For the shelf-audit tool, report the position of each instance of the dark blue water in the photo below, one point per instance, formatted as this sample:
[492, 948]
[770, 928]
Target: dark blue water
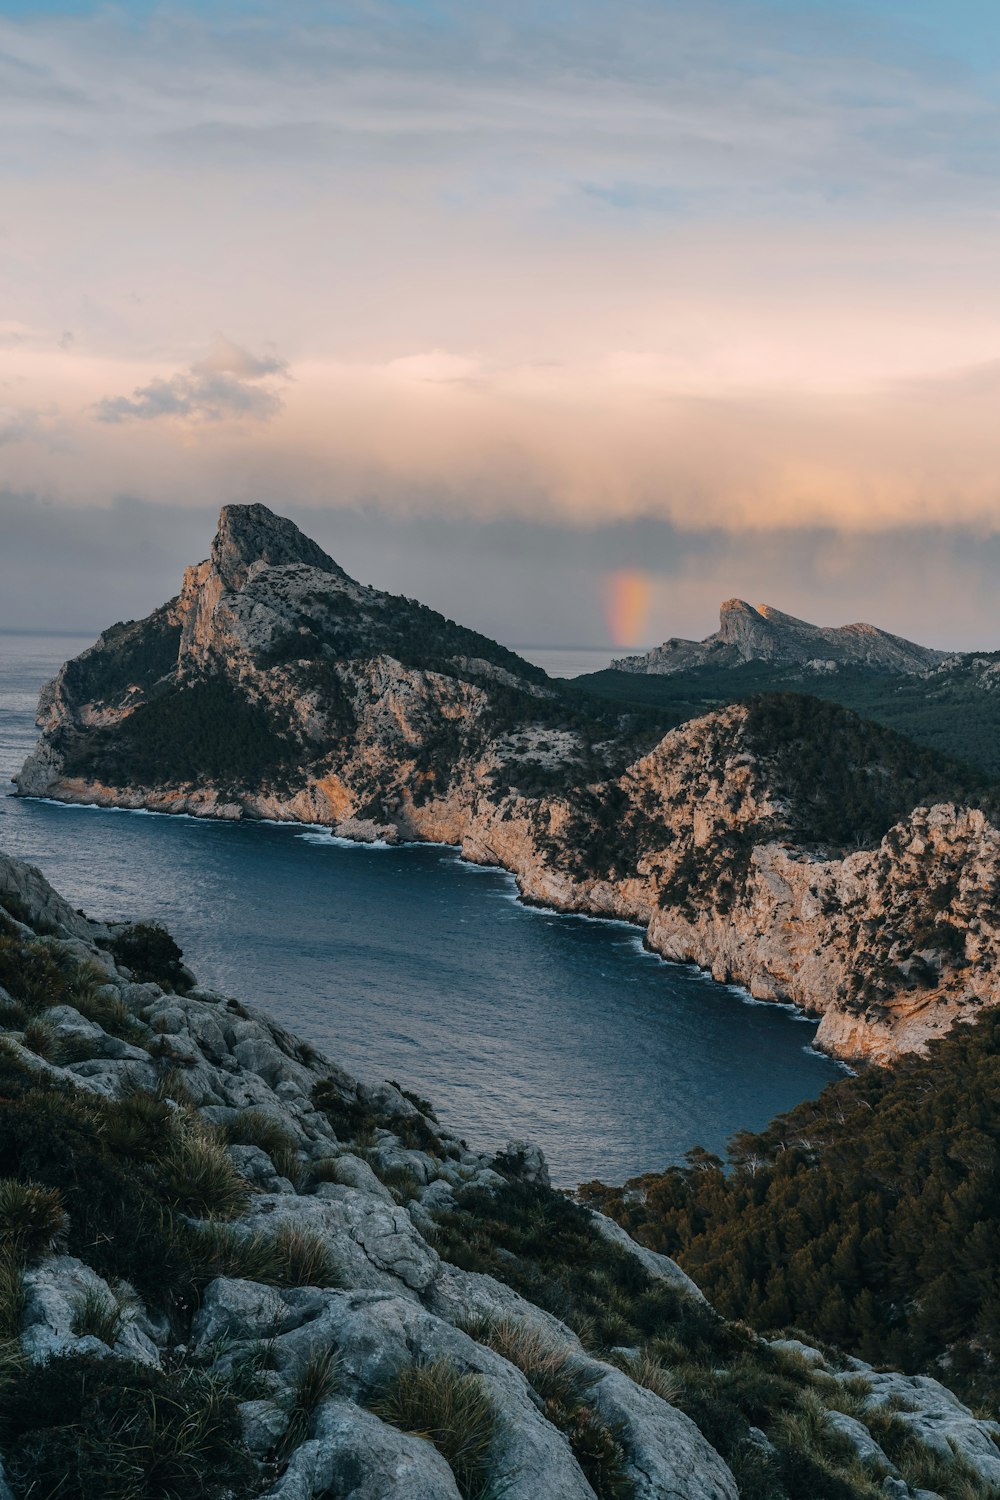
[406, 963]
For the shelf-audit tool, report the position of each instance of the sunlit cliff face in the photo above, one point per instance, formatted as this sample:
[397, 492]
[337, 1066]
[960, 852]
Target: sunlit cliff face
[730, 266]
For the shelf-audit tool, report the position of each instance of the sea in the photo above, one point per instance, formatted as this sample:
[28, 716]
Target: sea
[408, 963]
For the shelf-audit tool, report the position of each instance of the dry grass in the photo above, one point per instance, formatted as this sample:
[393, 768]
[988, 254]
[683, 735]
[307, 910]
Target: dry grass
[647, 1370]
[454, 1411]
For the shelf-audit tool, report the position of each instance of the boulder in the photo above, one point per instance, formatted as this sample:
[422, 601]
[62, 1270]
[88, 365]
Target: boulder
[356, 1457]
[668, 1459]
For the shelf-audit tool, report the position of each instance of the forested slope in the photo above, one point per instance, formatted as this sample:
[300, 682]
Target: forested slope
[869, 1217]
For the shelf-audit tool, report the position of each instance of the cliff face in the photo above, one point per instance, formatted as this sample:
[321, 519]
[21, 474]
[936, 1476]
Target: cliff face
[762, 633]
[275, 686]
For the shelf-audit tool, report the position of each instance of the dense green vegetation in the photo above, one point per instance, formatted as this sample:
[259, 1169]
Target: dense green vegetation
[869, 1217]
[847, 780]
[133, 653]
[949, 711]
[418, 636]
[203, 730]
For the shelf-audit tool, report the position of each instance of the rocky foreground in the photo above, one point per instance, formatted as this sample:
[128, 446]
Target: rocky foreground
[229, 1269]
[782, 844]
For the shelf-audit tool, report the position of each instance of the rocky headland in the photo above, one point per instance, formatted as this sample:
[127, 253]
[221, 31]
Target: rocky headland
[229, 1269]
[782, 843]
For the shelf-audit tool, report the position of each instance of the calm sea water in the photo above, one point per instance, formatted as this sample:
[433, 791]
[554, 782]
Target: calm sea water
[406, 963]
[573, 661]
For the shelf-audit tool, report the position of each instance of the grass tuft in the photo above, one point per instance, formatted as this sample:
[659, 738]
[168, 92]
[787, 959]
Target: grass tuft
[32, 1218]
[111, 1429]
[646, 1369]
[454, 1411]
[302, 1258]
[562, 1385]
[100, 1314]
[199, 1178]
[317, 1383]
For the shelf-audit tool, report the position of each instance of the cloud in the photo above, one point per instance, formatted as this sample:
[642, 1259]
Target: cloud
[520, 580]
[16, 424]
[224, 386]
[436, 366]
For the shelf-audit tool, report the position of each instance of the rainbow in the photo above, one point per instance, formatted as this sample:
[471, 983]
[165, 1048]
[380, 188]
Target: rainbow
[627, 594]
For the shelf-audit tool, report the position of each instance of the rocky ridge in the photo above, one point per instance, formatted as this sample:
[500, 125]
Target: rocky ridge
[302, 1359]
[274, 686]
[760, 632]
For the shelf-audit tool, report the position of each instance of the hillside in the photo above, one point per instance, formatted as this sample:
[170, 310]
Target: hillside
[953, 708]
[782, 843]
[869, 1217]
[228, 1268]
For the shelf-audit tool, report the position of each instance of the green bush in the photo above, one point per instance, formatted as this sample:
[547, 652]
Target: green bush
[151, 953]
[563, 1385]
[198, 1177]
[302, 1258]
[317, 1383]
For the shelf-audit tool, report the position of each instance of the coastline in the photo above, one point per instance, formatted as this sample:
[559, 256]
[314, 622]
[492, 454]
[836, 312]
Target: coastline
[324, 833]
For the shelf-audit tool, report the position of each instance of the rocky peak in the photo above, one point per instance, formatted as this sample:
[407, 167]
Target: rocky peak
[755, 632]
[248, 534]
[749, 632]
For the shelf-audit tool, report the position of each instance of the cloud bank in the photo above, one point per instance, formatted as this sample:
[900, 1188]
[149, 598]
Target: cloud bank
[726, 267]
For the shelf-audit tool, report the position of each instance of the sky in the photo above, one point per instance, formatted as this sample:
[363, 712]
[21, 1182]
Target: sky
[571, 320]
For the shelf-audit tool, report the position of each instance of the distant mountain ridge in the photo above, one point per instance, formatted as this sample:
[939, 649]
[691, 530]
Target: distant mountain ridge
[760, 632]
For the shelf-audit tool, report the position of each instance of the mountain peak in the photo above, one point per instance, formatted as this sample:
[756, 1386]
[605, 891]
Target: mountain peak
[749, 632]
[252, 533]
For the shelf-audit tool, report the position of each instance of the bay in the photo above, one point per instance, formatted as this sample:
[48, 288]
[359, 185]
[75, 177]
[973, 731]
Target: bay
[408, 963]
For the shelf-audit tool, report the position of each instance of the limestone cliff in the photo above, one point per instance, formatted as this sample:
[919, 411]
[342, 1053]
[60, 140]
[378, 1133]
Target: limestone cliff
[784, 844]
[762, 633]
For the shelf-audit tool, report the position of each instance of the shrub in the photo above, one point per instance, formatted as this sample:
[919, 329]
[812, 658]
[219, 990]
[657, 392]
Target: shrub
[951, 1478]
[151, 953]
[562, 1383]
[110, 1429]
[549, 1368]
[100, 1002]
[212, 1249]
[32, 1218]
[255, 1127]
[598, 1447]
[40, 1038]
[452, 1410]
[351, 1120]
[13, 1015]
[401, 1180]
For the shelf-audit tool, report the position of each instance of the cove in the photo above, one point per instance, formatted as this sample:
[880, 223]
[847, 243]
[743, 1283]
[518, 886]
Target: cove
[405, 962]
